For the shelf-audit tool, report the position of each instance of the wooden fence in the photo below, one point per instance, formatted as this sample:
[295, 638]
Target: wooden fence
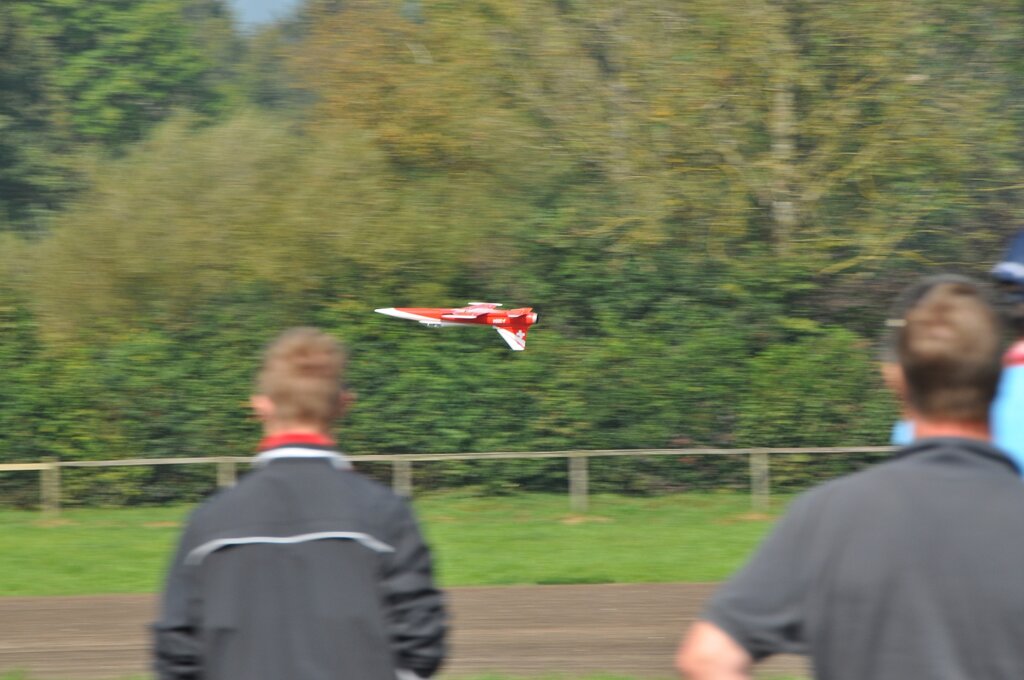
[402, 467]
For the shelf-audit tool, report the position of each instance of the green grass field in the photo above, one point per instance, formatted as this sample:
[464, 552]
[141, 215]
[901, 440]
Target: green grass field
[529, 538]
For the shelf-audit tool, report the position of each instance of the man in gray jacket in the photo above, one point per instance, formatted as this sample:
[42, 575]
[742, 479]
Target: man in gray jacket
[911, 569]
[305, 570]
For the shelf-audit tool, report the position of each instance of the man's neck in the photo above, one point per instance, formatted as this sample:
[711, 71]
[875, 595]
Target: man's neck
[277, 429]
[924, 429]
[278, 433]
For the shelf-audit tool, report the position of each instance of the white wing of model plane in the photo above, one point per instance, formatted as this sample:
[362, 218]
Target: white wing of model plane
[399, 314]
[516, 340]
[425, 320]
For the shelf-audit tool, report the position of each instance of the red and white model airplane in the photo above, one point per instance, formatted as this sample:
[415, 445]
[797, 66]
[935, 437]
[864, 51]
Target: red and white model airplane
[511, 324]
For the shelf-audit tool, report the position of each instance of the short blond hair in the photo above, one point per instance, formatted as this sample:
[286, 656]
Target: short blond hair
[302, 374]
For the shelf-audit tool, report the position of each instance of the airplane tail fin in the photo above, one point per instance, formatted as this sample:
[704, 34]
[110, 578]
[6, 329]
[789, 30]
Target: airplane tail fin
[515, 336]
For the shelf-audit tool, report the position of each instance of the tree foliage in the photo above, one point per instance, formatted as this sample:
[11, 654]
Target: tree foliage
[76, 73]
[710, 205]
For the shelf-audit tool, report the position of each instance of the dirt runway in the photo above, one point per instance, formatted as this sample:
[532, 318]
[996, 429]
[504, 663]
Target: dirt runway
[517, 630]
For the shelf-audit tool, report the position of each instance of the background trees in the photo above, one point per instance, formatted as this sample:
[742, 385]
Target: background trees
[75, 73]
[709, 204]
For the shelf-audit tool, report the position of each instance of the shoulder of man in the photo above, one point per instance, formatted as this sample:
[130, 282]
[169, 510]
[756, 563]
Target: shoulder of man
[821, 509]
[255, 486]
[238, 509]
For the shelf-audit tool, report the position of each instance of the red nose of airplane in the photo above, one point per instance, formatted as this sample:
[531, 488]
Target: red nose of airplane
[533, 317]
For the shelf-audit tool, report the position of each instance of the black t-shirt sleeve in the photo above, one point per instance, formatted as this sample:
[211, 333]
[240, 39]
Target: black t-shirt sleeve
[762, 606]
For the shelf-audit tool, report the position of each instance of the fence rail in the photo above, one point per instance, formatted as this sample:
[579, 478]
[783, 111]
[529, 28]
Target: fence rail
[402, 467]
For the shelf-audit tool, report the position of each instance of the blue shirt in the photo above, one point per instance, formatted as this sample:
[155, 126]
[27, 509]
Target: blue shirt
[902, 433]
[1008, 409]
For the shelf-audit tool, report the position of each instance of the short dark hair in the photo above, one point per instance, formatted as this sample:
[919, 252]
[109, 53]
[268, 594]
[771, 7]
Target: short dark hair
[302, 374]
[949, 347]
[909, 297]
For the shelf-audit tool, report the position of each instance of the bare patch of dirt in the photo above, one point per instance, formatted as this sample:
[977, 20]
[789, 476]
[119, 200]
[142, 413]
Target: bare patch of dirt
[746, 517]
[526, 631]
[55, 522]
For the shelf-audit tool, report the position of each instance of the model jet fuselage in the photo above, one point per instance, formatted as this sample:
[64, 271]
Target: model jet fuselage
[511, 324]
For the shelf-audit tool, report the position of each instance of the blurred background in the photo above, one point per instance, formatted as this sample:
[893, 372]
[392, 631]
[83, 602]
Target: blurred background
[710, 204]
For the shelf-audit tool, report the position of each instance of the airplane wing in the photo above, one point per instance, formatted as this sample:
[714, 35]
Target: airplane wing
[516, 340]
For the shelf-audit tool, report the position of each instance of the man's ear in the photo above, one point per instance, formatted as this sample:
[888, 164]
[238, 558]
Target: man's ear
[262, 406]
[896, 380]
[892, 374]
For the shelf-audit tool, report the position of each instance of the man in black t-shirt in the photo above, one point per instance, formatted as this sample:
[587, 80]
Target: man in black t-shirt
[910, 569]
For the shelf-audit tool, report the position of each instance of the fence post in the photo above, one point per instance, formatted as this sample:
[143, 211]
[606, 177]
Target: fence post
[226, 473]
[760, 481]
[401, 477]
[578, 483]
[49, 482]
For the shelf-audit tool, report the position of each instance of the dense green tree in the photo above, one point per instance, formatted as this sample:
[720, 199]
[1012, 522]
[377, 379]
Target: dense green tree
[76, 73]
[33, 179]
[121, 66]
